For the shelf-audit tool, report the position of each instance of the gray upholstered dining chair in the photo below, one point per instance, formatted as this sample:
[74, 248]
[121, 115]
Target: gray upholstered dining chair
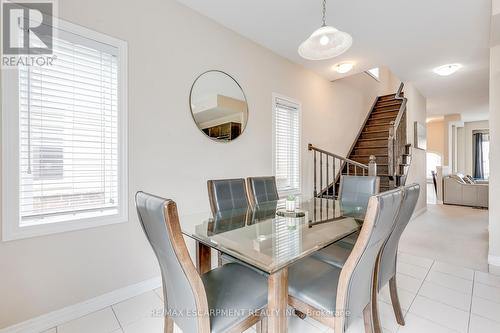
[227, 298]
[227, 194]
[355, 191]
[262, 189]
[388, 255]
[337, 254]
[337, 296]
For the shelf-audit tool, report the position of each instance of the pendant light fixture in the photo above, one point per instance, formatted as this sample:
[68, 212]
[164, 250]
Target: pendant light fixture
[326, 42]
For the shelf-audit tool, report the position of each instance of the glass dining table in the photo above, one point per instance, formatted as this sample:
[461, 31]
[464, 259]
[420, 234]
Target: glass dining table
[270, 239]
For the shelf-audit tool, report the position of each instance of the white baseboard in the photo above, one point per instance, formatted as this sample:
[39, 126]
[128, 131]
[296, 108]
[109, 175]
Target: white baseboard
[415, 214]
[494, 260]
[55, 318]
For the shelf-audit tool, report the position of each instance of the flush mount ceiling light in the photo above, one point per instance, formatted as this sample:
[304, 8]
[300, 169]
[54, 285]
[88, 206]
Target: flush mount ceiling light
[446, 70]
[343, 67]
[325, 43]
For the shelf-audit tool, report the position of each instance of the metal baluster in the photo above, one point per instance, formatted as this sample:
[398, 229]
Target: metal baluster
[315, 180]
[327, 201]
[355, 170]
[321, 173]
[327, 179]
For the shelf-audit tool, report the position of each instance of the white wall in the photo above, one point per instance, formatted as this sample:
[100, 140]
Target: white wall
[416, 111]
[494, 122]
[166, 149]
[495, 7]
[435, 137]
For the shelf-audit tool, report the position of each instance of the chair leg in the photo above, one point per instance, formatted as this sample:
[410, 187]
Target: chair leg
[169, 325]
[368, 318]
[376, 326]
[395, 301]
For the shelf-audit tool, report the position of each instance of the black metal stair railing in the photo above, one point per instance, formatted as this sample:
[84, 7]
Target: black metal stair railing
[328, 167]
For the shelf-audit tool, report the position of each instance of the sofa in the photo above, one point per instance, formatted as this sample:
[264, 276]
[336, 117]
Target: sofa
[465, 191]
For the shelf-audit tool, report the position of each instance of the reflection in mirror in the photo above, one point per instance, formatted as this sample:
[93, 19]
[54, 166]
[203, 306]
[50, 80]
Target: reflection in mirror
[218, 106]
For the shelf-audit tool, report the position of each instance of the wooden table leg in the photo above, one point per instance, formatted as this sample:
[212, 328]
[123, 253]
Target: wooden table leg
[203, 258]
[277, 302]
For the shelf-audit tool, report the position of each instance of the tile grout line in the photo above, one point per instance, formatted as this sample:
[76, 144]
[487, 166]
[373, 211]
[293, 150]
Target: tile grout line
[414, 314]
[442, 303]
[435, 323]
[420, 287]
[451, 289]
[116, 317]
[453, 275]
[471, 300]
[416, 294]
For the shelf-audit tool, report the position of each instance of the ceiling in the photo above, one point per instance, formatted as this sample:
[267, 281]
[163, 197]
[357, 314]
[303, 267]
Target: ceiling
[409, 37]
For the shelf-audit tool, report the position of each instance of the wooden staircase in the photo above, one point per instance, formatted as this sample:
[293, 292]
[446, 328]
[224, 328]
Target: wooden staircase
[382, 135]
[374, 139]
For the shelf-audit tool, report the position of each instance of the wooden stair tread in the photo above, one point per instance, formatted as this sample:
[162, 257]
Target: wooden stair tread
[383, 117]
[389, 102]
[377, 155]
[375, 110]
[368, 147]
[373, 139]
[373, 131]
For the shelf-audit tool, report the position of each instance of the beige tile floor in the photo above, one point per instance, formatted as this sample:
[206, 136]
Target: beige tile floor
[435, 297]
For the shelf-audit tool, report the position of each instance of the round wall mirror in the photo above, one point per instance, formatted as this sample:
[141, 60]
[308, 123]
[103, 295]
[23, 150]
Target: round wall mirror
[218, 106]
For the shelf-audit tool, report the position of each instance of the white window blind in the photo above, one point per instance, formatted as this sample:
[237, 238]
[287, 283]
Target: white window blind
[287, 145]
[68, 135]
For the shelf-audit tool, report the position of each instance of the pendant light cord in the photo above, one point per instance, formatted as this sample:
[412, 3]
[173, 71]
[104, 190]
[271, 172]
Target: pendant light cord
[324, 13]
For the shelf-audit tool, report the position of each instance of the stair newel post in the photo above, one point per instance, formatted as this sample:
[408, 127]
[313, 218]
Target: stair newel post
[390, 152]
[372, 166]
[334, 176]
[310, 147]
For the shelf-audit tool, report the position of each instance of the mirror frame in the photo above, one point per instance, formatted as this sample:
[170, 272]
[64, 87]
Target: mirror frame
[243, 126]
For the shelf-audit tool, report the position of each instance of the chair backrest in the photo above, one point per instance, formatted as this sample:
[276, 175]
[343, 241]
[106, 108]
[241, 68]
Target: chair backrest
[183, 289]
[228, 220]
[355, 283]
[355, 191]
[227, 194]
[264, 211]
[262, 189]
[387, 266]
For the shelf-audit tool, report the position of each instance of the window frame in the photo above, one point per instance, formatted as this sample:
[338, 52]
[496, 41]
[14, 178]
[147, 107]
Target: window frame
[276, 96]
[11, 229]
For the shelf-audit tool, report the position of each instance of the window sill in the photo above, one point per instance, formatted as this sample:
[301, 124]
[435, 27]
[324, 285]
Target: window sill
[30, 231]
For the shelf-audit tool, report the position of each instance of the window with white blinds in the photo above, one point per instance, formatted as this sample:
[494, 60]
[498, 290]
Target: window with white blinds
[71, 142]
[287, 145]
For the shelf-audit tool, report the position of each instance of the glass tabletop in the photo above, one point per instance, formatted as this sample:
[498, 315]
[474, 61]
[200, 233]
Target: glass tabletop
[270, 238]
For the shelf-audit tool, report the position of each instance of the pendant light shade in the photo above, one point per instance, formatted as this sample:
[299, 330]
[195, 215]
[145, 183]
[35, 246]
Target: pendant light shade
[325, 43]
